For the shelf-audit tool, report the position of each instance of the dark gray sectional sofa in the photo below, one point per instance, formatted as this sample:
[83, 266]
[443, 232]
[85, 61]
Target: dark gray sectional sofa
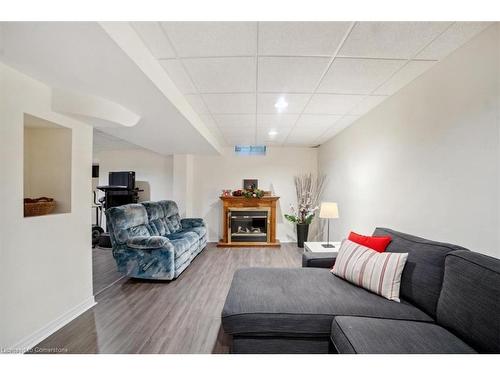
[450, 303]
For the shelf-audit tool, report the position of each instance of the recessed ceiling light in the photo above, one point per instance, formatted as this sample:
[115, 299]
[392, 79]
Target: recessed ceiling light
[281, 104]
[272, 133]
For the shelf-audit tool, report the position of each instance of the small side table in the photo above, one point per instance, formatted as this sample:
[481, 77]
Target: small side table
[315, 247]
[318, 256]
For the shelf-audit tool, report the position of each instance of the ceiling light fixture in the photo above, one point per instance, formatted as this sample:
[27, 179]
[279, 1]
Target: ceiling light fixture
[281, 104]
[272, 133]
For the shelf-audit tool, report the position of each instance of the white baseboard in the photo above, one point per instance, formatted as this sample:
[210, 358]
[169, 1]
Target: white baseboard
[38, 336]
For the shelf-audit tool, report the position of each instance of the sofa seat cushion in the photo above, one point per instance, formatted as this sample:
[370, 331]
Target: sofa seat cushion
[301, 301]
[200, 231]
[183, 242]
[147, 242]
[352, 334]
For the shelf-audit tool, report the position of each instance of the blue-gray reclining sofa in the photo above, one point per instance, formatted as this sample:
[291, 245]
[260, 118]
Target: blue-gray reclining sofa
[151, 241]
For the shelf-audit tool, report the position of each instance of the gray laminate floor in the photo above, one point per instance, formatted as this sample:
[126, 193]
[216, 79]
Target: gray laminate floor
[180, 316]
[104, 271]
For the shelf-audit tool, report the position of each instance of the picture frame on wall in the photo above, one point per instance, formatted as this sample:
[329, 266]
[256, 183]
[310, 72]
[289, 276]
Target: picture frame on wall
[250, 184]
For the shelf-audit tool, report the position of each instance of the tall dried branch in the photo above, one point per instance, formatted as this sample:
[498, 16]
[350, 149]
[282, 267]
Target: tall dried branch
[309, 189]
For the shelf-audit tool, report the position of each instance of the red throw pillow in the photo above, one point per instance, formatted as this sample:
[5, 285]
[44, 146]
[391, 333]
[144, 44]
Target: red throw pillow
[379, 243]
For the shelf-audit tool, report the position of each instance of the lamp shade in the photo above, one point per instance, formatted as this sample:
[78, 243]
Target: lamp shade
[329, 210]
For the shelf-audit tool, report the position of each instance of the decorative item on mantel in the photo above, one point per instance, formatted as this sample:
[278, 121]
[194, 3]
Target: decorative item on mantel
[252, 193]
[308, 189]
[226, 192]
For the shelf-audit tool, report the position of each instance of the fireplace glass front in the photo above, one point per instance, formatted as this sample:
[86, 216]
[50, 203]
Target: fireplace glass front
[248, 225]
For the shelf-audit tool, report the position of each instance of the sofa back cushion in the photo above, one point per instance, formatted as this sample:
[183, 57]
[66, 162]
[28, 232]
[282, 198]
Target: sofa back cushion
[172, 217]
[127, 221]
[423, 273]
[157, 218]
[469, 304]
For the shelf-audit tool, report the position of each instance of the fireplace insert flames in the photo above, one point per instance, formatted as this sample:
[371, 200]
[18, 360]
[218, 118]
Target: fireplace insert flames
[248, 225]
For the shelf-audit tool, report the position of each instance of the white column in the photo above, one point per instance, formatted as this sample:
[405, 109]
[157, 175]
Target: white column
[183, 183]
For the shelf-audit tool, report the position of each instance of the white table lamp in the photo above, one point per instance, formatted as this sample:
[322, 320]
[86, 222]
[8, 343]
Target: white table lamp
[328, 210]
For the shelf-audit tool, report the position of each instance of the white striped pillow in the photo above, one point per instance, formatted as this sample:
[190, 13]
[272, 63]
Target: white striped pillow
[377, 272]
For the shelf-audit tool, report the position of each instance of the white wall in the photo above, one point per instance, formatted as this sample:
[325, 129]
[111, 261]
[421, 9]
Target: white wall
[47, 165]
[153, 172]
[45, 261]
[426, 161]
[275, 172]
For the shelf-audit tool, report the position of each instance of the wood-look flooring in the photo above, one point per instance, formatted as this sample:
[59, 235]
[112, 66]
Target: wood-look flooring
[180, 316]
[104, 271]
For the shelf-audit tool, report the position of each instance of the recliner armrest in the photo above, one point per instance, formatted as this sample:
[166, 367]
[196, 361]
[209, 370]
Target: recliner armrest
[192, 222]
[147, 242]
[319, 260]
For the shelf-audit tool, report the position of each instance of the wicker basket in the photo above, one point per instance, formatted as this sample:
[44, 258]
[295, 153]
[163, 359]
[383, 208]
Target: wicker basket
[39, 206]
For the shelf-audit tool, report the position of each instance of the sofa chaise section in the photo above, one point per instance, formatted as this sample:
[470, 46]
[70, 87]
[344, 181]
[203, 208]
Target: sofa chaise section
[298, 304]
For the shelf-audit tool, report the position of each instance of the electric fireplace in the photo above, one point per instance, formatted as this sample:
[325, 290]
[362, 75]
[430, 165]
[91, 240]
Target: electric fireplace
[248, 221]
[248, 224]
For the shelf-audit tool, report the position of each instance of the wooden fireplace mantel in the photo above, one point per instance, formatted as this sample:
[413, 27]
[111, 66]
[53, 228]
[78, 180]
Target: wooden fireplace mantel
[266, 202]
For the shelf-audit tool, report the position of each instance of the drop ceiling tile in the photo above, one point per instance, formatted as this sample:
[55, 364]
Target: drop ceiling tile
[194, 39]
[197, 103]
[340, 125]
[301, 142]
[178, 74]
[346, 121]
[209, 121]
[305, 135]
[301, 38]
[390, 39]
[296, 103]
[240, 140]
[357, 76]
[212, 127]
[222, 74]
[404, 76]
[455, 36]
[276, 121]
[367, 105]
[310, 144]
[230, 103]
[290, 74]
[317, 121]
[335, 104]
[238, 132]
[155, 39]
[269, 143]
[277, 135]
[235, 121]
